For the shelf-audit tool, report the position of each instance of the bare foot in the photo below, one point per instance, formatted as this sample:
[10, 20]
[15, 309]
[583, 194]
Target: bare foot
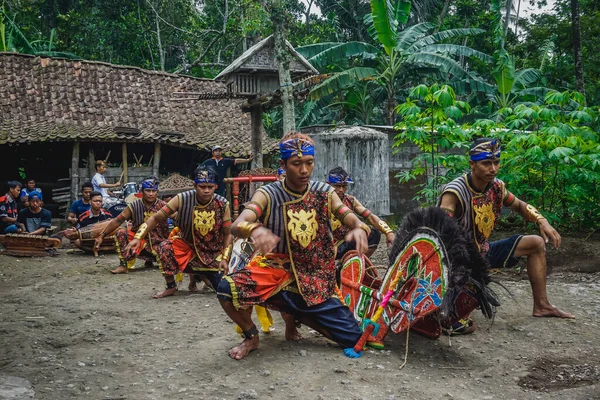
[193, 287]
[551, 311]
[119, 270]
[242, 350]
[166, 293]
[291, 333]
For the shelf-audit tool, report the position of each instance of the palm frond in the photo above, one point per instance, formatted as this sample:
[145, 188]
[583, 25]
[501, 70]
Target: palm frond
[443, 35]
[457, 50]
[411, 34]
[342, 80]
[341, 52]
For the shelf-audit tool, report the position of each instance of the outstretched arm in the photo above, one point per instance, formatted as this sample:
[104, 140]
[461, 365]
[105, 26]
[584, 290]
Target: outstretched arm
[530, 213]
[246, 225]
[359, 231]
[112, 226]
[243, 160]
[148, 226]
[377, 222]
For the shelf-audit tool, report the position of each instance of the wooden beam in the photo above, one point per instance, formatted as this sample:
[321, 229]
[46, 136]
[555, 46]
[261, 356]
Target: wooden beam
[75, 171]
[124, 157]
[257, 135]
[156, 164]
[91, 162]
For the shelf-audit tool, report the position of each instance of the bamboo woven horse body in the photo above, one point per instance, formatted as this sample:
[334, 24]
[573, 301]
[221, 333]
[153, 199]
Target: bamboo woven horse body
[24, 245]
[436, 277]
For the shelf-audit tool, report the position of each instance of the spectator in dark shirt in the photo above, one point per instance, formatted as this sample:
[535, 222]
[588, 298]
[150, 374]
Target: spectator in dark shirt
[95, 214]
[82, 205]
[30, 187]
[8, 208]
[221, 165]
[37, 220]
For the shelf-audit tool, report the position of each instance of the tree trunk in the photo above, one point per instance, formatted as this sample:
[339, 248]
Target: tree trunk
[161, 53]
[577, 56]
[507, 17]
[282, 55]
[442, 15]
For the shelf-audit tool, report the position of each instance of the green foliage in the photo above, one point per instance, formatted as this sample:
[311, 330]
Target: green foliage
[429, 122]
[550, 156]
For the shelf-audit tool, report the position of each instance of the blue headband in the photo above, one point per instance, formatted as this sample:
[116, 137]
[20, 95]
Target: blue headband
[33, 194]
[150, 184]
[296, 147]
[339, 179]
[205, 177]
[487, 150]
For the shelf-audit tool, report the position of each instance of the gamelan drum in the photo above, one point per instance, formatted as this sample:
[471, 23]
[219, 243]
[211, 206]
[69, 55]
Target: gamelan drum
[116, 209]
[130, 188]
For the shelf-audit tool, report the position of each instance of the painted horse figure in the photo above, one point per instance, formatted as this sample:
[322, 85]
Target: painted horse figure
[435, 277]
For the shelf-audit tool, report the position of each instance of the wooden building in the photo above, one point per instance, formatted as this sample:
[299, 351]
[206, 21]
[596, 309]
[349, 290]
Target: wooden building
[57, 117]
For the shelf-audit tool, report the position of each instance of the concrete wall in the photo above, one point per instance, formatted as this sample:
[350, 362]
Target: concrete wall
[364, 153]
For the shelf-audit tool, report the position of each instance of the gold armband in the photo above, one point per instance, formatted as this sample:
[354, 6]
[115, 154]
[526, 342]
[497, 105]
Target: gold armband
[365, 228]
[384, 227]
[227, 252]
[534, 214]
[141, 232]
[246, 228]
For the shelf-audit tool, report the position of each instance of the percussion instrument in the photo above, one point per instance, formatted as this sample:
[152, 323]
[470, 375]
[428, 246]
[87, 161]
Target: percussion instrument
[117, 208]
[24, 245]
[88, 234]
[130, 188]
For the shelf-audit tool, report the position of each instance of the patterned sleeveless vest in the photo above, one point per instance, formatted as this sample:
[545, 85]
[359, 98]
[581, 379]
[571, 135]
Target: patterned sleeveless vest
[201, 226]
[302, 221]
[140, 214]
[479, 209]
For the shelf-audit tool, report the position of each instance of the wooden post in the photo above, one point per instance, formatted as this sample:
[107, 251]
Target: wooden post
[75, 171]
[257, 135]
[156, 165]
[91, 162]
[124, 157]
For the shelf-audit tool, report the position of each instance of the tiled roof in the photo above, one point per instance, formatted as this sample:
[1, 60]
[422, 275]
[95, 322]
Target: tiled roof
[46, 99]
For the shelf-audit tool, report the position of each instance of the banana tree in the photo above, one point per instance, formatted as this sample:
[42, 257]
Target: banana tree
[401, 57]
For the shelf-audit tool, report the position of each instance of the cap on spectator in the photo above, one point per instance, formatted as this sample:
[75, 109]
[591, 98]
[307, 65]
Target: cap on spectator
[35, 193]
[217, 147]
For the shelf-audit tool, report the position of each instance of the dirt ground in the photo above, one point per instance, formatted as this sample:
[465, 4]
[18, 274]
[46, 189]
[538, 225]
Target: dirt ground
[73, 330]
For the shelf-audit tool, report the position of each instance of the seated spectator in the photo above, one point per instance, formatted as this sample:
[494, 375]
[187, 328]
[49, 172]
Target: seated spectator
[95, 214]
[82, 205]
[37, 220]
[30, 187]
[8, 208]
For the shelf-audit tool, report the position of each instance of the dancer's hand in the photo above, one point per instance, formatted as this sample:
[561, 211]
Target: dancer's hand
[549, 233]
[264, 240]
[389, 238]
[132, 247]
[358, 236]
[98, 242]
[223, 267]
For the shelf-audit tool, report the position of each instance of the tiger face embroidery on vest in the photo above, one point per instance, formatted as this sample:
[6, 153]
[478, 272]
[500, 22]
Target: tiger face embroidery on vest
[484, 218]
[204, 221]
[335, 223]
[303, 226]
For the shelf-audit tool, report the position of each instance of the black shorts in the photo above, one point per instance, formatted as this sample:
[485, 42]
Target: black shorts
[502, 252]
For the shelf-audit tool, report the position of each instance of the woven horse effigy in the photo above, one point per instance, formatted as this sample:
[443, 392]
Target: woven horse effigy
[435, 277]
[25, 245]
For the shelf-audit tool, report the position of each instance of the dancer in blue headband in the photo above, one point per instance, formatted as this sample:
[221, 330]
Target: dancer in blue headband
[289, 222]
[138, 212]
[201, 244]
[475, 201]
[339, 179]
